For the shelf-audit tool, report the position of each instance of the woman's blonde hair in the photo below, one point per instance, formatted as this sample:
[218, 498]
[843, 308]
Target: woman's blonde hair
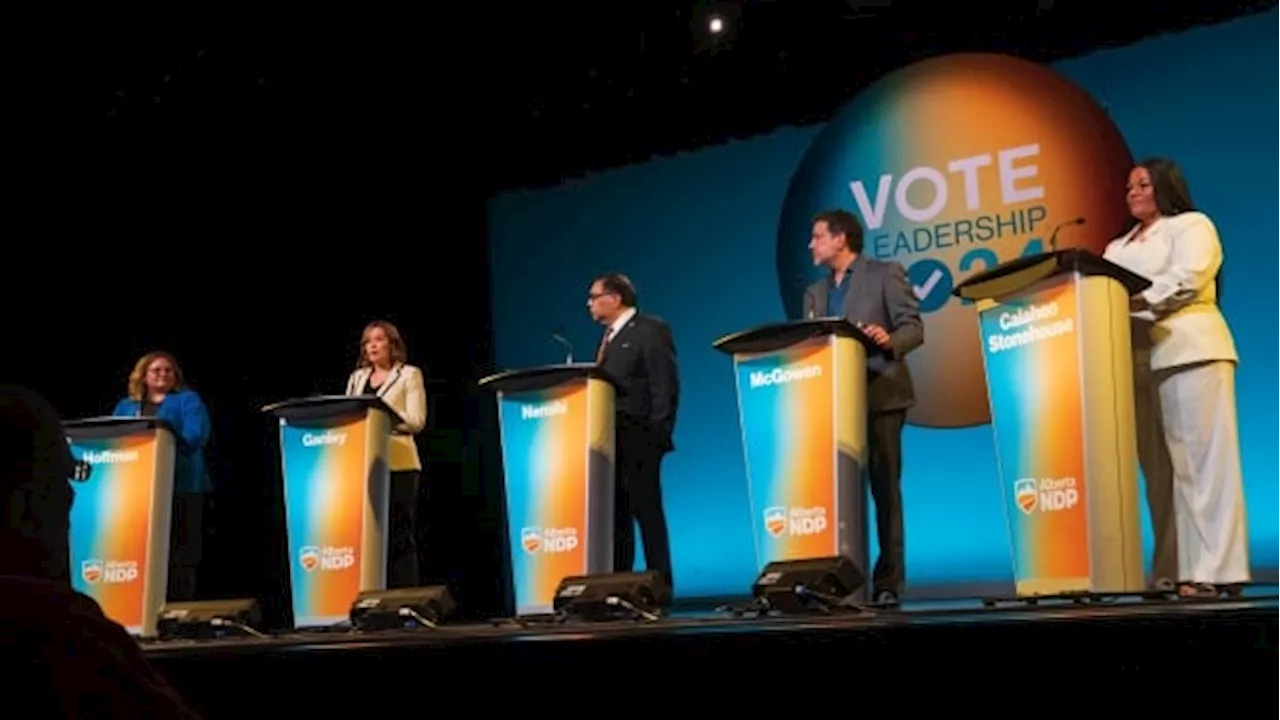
[137, 378]
[399, 353]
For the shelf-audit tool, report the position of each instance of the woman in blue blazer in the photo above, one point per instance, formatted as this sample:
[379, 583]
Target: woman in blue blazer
[157, 389]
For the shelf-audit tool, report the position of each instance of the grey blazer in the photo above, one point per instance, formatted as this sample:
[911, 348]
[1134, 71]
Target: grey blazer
[879, 294]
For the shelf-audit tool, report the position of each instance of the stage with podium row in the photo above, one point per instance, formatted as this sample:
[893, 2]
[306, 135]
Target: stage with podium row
[1058, 359]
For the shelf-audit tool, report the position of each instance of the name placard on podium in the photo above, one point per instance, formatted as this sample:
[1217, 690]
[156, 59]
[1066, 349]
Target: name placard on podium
[120, 517]
[802, 406]
[334, 455]
[1059, 366]
[557, 435]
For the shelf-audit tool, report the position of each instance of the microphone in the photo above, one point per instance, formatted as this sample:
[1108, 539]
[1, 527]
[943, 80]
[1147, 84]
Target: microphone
[558, 336]
[1053, 236]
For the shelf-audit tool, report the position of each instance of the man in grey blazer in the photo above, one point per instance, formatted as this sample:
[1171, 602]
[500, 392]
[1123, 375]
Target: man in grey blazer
[876, 297]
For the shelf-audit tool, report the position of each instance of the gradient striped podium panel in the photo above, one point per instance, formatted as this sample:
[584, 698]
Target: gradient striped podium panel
[336, 485]
[1058, 356]
[557, 433]
[802, 408]
[119, 537]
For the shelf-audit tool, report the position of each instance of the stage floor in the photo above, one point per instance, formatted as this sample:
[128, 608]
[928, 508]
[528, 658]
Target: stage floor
[956, 655]
[723, 620]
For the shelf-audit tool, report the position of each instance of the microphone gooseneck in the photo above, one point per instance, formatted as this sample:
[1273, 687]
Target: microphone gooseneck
[1052, 237]
[558, 336]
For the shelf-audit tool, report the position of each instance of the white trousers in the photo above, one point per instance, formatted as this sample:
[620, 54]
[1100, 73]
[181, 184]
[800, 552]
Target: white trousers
[1199, 404]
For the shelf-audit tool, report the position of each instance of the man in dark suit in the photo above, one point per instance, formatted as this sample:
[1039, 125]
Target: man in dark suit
[638, 352]
[876, 297]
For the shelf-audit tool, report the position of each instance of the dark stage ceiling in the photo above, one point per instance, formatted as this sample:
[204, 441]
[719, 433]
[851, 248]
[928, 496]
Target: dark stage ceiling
[526, 94]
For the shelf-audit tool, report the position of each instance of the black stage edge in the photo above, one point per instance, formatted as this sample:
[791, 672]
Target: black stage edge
[1125, 654]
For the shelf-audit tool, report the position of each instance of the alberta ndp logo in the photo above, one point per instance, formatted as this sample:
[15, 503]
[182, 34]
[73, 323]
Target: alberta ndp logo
[313, 558]
[779, 520]
[955, 165]
[1045, 495]
[95, 571]
[535, 540]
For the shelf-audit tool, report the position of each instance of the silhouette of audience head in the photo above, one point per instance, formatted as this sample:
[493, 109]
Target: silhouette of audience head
[36, 467]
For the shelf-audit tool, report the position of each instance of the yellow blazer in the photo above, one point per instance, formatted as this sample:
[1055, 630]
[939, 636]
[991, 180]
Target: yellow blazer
[404, 391]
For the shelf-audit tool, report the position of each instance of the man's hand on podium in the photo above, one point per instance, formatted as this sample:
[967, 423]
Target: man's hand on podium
[1138, 303]
[878, 335]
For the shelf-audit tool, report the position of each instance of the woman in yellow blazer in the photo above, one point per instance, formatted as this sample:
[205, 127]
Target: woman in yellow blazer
[382, 370]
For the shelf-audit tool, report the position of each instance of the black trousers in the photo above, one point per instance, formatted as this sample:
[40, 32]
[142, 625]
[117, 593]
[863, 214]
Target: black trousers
[402, 540]
[884, 470]
[638, 500]
[186, 546]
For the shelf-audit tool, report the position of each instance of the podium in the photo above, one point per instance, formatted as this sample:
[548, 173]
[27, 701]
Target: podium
[336, 485]
[557, 438]
[119, 539]
[802, 405]
[1058, 355]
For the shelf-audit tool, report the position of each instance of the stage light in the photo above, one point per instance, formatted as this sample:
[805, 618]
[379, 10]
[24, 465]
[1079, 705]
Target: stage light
[716, 25]
[804, 586]
[398, 609]
[209, 619]
[613, 596]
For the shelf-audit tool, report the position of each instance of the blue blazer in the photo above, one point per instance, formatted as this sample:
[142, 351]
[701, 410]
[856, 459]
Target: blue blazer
[184, 410]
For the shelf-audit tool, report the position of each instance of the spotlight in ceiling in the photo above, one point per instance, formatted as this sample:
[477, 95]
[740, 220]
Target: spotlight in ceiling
[716, 25]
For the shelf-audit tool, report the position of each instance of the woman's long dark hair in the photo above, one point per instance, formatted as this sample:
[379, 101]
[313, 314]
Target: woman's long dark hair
[1173, 197]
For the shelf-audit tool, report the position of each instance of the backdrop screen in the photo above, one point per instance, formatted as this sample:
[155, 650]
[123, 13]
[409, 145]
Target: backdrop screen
[954, 165]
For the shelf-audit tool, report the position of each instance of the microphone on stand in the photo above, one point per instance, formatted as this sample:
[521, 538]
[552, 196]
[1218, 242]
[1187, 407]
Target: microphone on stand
[1053, 236]
[558, 336]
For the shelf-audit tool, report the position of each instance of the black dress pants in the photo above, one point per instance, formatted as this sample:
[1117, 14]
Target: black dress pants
[186, 546]
[884, 470]
[402, 543]
[638, 500]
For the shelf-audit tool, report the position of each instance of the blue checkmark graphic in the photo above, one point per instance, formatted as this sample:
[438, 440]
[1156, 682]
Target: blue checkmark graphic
[932, 283]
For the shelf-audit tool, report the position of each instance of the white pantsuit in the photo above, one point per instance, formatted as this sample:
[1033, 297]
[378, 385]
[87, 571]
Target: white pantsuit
[1199, 405]
[1193, 360]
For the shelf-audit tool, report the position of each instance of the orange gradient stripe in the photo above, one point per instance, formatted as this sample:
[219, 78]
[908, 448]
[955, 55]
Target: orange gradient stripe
[1060, 538]
[341, 518]
[562, 501]
[808, 410]
[125, 522]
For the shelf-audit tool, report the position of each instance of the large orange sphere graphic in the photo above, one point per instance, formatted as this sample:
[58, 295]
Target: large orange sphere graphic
[953, 165]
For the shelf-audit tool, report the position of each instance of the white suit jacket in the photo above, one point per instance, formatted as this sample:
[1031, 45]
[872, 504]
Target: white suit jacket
[1181, 256]
[404, 391]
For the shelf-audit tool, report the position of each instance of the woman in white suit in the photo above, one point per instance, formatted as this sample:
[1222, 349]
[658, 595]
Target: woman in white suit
[1185, 349]
[382, 370]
